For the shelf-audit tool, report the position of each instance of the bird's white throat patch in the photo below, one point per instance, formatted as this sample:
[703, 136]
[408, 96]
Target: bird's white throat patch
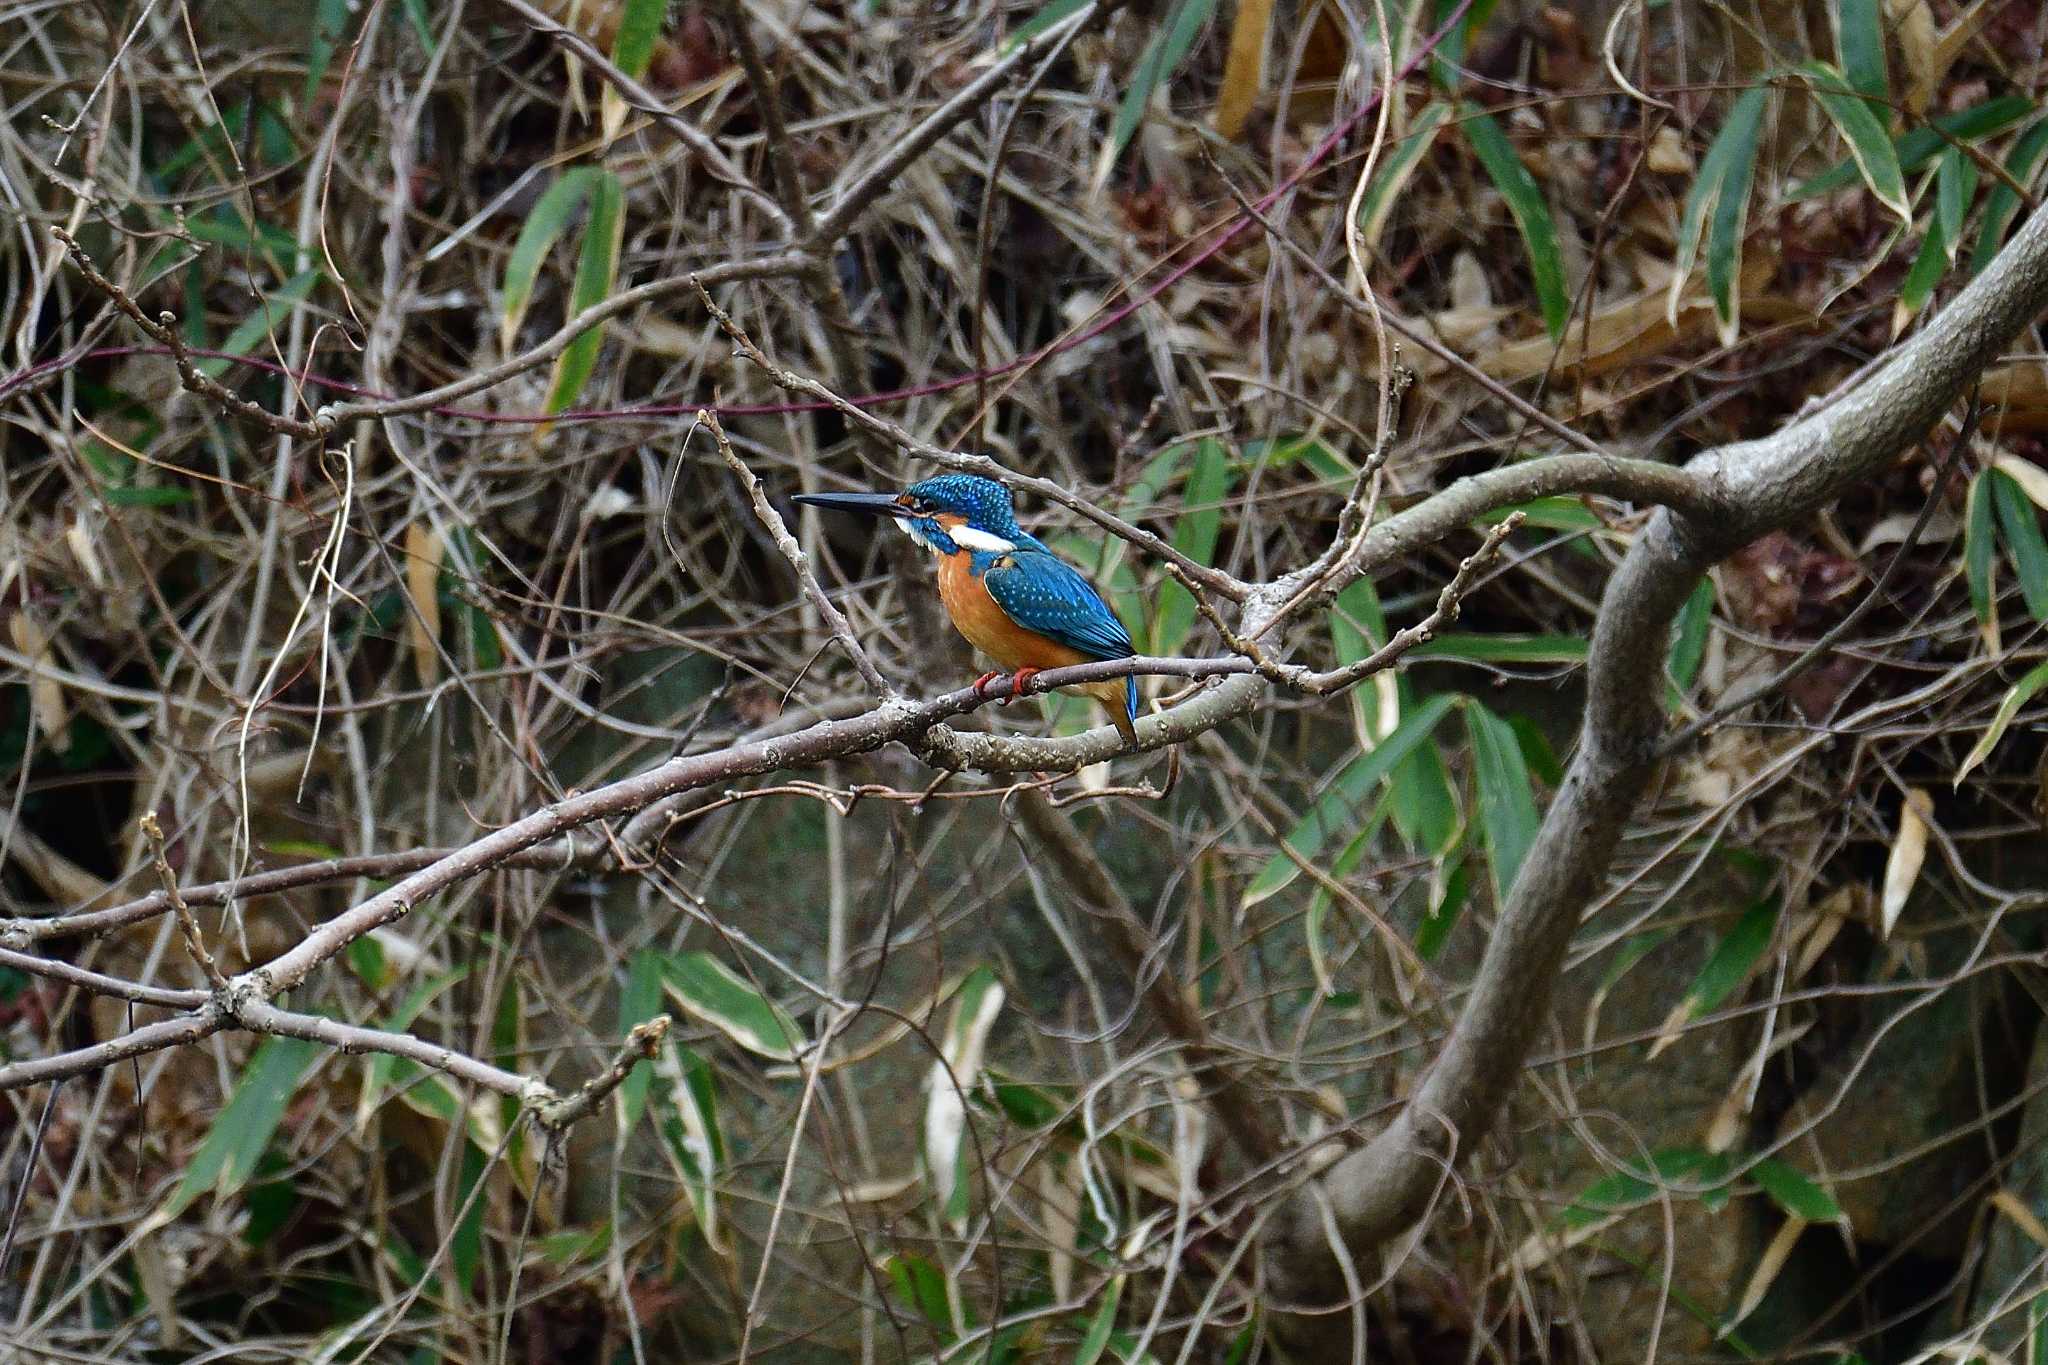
[980, 540]
[966, 537]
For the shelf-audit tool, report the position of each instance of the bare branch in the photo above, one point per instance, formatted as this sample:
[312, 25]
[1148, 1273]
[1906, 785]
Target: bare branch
[1383, 1187]
[639, 97]
[799, 562]
[1214, 579]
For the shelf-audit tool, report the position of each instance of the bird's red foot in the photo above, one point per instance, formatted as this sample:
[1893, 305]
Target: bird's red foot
[981, 683]
[1019, 678]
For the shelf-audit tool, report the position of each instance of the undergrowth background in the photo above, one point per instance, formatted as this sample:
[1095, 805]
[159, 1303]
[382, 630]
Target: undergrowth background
[1790, 1103]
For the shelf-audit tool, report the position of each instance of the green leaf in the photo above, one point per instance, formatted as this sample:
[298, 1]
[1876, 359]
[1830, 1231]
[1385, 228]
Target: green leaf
[241, 1132]
[1531, 213]
[1536, 751]
[276, 307]
[953, 1077]
[1436, 926]
[150, 496]
[1395, 169]
[1450, 53]
[1859, 42]
[1923, 144]
[1042, 21]
[2001, 204]
[633, 45]
[1689, 642]
[922, 1286]
[1550, 514]
[466, 1247]
[1345, 794]
[1978, 545]
[597, 268]
[330, 22]
[2021, 528]
[1184, 23]
[2022, 691]
[1341, 867]
[712, 992]
[1509, 649]
[1870, 146]
[1921, 277]
[1624, 1190]
[1955, 185]
[1733, 959]
[1357, 626]
[1195, 536]
[690, 1130]
[549, 219]
[1717, 207]
[639, 1002]
[1793, 1192]
[1507, 806]
[1096, 1338]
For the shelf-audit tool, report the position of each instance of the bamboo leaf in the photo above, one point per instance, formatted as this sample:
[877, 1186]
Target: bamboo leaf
[1436, 926]
[1955, 185]
[710, 991]
[276, 307]
[1716, 210]
[1794, 1192]
[691, 1134]
[2001, 204]
[1163, 55]
[1396, 169]
[1689, 642]
[1096, 1338]
[1507, 805]
[242, 1131]
[639, 1002]
[1195, 536]
[2021, 692]
[1041, 22]
[922, 1286]
[1859, 42]
[1344, 796]
[1978, 547]
[632, 48]
[550, 218]
[1921, 145]
[2021, 527]
[1504, 649]
[953, 1077]
[1734, 957]
[597, 268]
[1870, 146]
[1530, 210]
[1921, 277]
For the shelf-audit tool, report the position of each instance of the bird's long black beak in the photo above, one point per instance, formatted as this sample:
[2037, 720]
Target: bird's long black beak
[873, 504]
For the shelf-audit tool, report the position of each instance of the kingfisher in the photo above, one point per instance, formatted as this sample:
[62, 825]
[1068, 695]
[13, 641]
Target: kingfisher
[1006, 591]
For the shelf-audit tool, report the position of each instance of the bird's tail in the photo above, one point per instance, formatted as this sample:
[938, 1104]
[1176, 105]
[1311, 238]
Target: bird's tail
[1120, 701]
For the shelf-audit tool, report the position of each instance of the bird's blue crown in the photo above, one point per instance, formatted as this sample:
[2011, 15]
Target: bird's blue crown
[984, 503]
[986, 523]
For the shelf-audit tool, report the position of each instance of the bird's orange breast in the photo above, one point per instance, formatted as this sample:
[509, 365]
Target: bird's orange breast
[989, 628]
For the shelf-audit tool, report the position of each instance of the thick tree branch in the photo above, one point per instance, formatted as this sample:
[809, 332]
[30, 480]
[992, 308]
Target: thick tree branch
[1756, 486]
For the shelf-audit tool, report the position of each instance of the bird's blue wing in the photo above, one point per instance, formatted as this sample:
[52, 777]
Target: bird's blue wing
[1042, 592]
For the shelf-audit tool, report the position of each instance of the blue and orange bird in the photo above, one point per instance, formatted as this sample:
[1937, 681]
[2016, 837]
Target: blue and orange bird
[1012, 597]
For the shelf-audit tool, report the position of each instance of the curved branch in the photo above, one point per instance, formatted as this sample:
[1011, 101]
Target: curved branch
[1380, 1189]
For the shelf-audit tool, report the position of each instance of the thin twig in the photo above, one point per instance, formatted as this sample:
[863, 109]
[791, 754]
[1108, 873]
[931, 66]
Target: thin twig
[799, 562]
[188, 925]
[163, 330]
[641, 1045]
[1214, 579]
